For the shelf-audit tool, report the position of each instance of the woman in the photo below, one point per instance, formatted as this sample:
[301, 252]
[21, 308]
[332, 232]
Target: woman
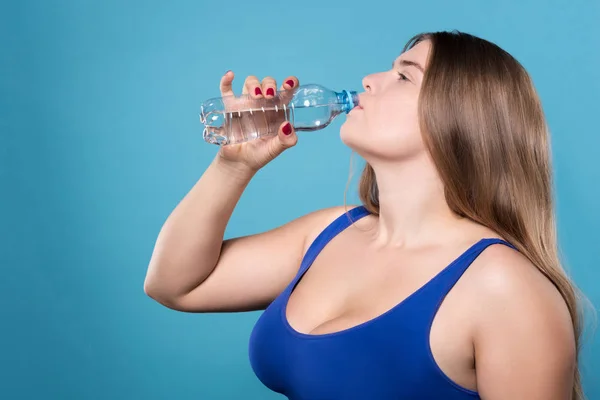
[444, 284]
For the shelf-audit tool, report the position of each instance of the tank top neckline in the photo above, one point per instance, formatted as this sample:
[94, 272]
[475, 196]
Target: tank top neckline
[360, 212]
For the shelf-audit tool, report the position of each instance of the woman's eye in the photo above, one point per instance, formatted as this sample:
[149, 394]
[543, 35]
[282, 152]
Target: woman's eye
[402, 77]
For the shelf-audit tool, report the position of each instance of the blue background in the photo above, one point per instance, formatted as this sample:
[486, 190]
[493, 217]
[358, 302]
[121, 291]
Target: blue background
[100, 139]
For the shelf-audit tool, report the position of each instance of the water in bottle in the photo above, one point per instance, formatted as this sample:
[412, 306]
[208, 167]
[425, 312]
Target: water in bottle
[231, 120]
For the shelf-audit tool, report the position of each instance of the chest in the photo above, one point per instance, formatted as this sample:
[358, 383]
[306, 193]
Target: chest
[348, 285]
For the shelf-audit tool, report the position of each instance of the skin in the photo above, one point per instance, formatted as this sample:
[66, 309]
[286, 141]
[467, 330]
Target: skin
[503, 330]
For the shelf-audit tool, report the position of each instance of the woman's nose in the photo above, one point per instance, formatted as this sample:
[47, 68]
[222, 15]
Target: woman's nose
[367, 84]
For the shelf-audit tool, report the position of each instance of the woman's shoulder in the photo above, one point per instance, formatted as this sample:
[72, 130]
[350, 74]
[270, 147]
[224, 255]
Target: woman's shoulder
[521, 324]
[516, 298]
[505, 273]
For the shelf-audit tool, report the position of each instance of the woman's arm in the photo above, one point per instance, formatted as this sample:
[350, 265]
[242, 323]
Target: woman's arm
[524, 341]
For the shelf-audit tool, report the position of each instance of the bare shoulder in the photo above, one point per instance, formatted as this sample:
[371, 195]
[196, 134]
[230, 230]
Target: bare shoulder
[522, 324]
[505, 275]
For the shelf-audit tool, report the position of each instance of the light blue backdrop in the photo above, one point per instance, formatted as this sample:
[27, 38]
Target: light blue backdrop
[100, 139]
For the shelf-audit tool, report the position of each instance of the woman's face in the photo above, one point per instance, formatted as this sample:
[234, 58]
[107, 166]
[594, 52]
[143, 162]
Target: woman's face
[386, 124]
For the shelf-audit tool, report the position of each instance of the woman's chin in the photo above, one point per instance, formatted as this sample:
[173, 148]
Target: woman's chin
[349, 134]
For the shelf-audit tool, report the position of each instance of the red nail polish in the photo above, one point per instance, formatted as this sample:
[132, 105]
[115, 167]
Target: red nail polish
[290, 82]
[257, 91]
[270, 92]
[287, 129]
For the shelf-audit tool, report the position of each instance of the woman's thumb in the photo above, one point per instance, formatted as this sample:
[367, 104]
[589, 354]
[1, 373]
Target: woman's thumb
[287, 135]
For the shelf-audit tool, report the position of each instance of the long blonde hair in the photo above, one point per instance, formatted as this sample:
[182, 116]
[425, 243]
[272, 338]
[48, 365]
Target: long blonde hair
[483, 124]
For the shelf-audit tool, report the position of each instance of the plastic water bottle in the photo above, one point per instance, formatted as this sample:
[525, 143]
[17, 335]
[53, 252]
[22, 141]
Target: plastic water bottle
[231, 119]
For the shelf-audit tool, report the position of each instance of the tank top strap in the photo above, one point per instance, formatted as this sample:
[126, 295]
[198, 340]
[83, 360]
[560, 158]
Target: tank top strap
[332, 230]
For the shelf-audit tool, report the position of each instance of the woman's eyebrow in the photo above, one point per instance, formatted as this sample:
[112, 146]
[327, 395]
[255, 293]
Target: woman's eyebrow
[409, 63]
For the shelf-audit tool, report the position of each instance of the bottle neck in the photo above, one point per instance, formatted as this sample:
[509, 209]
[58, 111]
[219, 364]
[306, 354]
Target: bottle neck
[347, 99]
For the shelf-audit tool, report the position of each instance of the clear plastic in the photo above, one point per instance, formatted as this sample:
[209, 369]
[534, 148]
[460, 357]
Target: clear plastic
[231, 119]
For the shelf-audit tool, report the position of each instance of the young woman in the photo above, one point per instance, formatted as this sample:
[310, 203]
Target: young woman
[444, 284]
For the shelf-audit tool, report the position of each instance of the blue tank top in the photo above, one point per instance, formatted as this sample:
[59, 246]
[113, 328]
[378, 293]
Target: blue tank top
[387, 357]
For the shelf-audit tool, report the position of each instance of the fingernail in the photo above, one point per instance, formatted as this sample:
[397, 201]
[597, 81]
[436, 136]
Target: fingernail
[287, 129]
[290, 82]
[228, 71]
[270, 92]
[257, 91]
